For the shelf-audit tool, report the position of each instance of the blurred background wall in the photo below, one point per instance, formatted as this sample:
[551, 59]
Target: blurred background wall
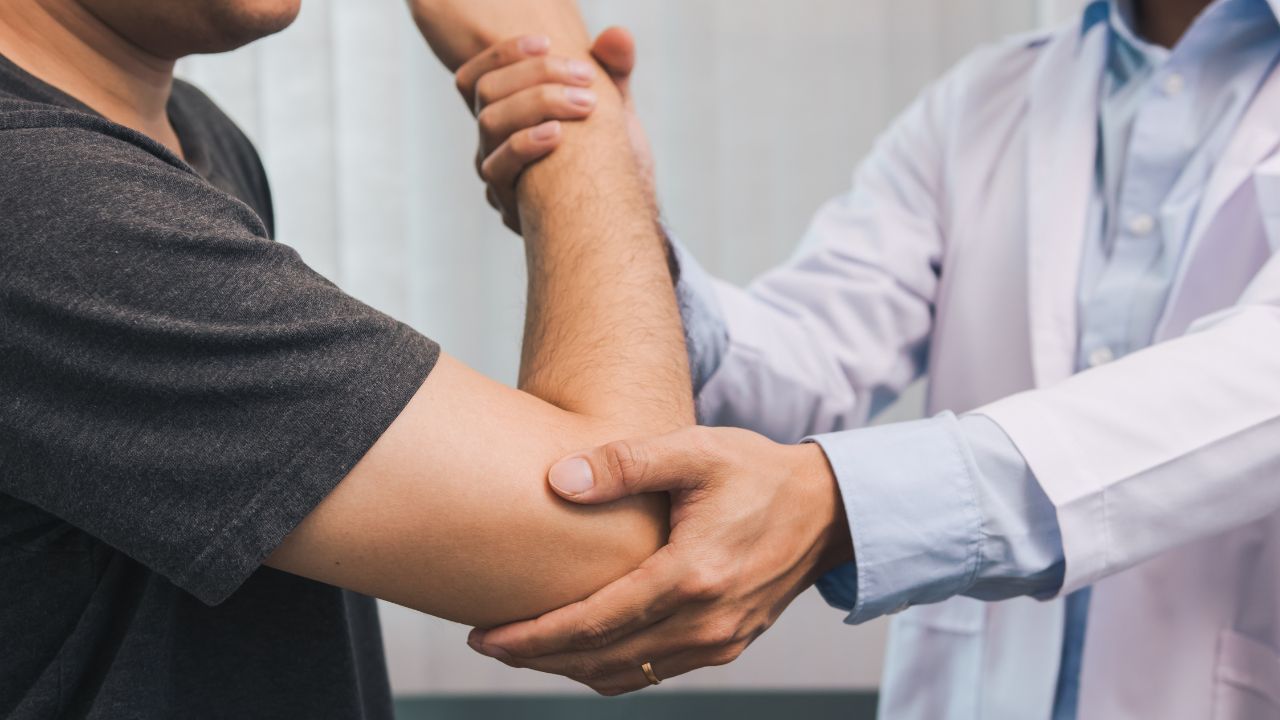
[758, 110]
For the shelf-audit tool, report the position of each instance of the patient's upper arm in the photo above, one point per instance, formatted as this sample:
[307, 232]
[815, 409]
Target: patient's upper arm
[449, 512]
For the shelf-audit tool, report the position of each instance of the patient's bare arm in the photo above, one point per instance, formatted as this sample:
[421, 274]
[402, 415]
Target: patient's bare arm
[449, 512]
[591, 231]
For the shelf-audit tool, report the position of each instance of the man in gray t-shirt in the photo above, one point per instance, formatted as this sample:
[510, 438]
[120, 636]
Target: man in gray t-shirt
[183, 400]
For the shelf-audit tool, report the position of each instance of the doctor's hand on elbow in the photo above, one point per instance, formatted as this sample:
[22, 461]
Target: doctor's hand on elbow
[521, 93]
[753, 524]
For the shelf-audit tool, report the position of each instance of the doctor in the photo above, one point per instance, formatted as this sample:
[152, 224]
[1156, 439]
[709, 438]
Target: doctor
[1072, 235]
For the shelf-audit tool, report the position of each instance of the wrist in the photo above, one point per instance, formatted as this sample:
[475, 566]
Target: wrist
[834, 542]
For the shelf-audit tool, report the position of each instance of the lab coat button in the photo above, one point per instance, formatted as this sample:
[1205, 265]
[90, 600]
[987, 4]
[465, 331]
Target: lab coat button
[1101, 356]
[1142, 224]
[1173, 84]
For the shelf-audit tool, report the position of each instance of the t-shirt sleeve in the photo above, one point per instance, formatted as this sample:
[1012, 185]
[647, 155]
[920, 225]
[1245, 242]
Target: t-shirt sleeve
[173, 382]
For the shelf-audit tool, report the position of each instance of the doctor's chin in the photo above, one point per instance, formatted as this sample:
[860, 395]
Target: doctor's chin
[559, 360]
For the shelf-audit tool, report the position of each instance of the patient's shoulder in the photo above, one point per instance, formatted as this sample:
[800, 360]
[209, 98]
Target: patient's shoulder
[66, 170]
[38, 141]
[68, 177]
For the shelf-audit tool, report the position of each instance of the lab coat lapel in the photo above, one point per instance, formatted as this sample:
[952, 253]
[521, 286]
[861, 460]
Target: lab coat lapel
[1061, 155]
[1255, 139]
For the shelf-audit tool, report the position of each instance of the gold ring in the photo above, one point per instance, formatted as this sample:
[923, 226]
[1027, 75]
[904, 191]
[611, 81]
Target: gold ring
[649, 675]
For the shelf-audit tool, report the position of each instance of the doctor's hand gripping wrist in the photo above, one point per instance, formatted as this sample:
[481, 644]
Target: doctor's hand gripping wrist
[520, 94]
[753, 524]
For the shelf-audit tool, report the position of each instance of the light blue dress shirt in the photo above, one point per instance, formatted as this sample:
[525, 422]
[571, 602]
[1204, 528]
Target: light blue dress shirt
[947, 506]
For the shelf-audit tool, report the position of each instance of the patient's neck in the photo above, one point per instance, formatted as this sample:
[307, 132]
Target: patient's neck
[63, 44]
[1164, 22]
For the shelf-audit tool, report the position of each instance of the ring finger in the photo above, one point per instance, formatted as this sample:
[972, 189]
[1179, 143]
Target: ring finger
[634, 678]
[665, 638]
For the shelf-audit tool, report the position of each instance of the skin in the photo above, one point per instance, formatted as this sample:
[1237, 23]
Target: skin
[754, 555]
[753, 524]
[449, 512]
[1164, 22]
[604, 348]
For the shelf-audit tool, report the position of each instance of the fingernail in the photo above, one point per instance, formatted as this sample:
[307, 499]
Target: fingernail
[572, 476]
[475, 637]
[581, 97]
[535, 44]
[546, 131]
[581, 70]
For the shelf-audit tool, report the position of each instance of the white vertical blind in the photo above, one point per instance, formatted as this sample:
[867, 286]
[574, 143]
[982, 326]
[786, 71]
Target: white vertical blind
[759, 110]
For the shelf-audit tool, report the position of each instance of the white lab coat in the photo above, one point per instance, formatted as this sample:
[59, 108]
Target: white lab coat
[964, 235]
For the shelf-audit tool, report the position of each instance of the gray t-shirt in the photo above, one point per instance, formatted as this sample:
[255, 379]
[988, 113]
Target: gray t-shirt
[177, 391]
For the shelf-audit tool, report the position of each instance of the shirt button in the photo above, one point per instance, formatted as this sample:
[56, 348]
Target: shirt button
[1142, 224]
[1101, 356]
[1173, 84]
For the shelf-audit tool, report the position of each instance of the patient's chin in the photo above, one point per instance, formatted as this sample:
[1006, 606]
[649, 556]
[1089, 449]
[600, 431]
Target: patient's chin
[239, 22]
[194, 27]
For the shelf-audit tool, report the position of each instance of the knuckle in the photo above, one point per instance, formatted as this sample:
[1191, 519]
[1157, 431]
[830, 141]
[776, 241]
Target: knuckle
[591, 635]
[625, 462]
[508, 52]
[550, 95]
[707, 441]
[690, 589]
[522, 145]
[548, 67]
[719, 634]
[488, 121]
[484, 91]
[586, 670]
[703, 584]
[728, 654]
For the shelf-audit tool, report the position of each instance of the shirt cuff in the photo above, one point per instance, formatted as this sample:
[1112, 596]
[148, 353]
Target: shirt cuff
[706, 332]
[1022, 552]
[937, 508]
[913, 513]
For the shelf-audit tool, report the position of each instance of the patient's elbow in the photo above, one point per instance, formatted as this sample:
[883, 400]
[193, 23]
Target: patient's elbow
[581, 550]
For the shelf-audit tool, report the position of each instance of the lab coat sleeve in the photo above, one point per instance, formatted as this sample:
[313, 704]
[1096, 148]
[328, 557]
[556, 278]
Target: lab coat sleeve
[1171, 444]
[822, 342]
[936, 508]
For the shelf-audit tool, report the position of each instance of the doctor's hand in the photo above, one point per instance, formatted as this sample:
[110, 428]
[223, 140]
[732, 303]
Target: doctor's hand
[521, 92]
[753, 524]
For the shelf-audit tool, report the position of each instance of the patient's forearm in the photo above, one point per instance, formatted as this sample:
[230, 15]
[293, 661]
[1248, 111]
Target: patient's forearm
[603, 335]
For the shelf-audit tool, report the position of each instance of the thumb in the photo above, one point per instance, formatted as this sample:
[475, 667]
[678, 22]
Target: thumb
[676, 461]
[615, 50]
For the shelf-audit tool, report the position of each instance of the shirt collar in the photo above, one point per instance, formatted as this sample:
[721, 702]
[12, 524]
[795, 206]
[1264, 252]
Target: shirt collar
[1095, 12]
